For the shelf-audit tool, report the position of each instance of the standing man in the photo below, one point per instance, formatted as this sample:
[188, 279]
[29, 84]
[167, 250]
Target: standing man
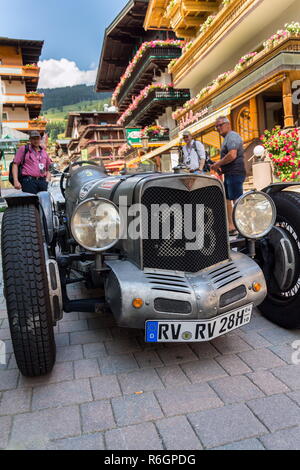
[232, 165]
[35, 169]
[193, 153]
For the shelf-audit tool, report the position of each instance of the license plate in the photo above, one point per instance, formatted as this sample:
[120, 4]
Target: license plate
[177, 331]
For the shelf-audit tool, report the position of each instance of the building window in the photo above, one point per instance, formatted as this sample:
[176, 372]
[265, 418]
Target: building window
[244, 124]
[4, 117]
[2, 88]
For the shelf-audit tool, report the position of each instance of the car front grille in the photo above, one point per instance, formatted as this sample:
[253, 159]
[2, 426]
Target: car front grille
[172, 254]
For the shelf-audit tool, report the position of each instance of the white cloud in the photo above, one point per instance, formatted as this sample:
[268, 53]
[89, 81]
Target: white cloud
[63, 72]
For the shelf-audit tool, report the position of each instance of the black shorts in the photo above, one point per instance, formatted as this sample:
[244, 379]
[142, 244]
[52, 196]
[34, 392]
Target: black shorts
[234, 186]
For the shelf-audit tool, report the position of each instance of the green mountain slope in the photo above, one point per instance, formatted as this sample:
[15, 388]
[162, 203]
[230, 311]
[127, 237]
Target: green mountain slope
[58, 102]
[60, 97]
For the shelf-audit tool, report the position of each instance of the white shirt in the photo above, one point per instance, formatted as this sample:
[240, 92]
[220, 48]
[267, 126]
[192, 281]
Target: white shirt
[191, 157]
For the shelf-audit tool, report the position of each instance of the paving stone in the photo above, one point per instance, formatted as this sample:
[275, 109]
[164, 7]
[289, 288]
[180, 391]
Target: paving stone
[172, 376]
[254, 339]
[235, 389]
[233, 365]
[203, 370]
[137, 437]
[69, 316]
[278, 336]
[35, 430]
[74, 325]
[15, 401]
[258, 323]
[290, 375]
[86, 442]
[106, 386]
[187, 398]
[247, 444]
[97, 416]
[148, 359]
[102, 321]
[5, 333]
[118, 332]
[276, 412]
[225, 425]
[69, 353]
[284, 351]
[118, 364]
[177, 354]
[92, 350]
[266, 381]
[12, 363]
[5, 323]
[90, 336]
[230, 344]
[61, 394]
[288, 439]
[140, 380]
[177, 433]
[135, 409]
[295, 396]
[8, 379]
[61, 372]
[86, 368]
[204, 350]
[122, 346]
[62, 339]
[5, 425]
[261, 359]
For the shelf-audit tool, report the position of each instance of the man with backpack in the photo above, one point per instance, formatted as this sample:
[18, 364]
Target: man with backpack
[30, 168]
[194, 156]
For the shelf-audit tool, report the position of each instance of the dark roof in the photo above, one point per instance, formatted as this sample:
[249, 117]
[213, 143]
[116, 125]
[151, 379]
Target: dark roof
[120, 39]
[31, 49]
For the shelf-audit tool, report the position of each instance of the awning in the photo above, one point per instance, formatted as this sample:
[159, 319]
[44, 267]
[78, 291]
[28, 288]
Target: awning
[193, 129]
[116, 164]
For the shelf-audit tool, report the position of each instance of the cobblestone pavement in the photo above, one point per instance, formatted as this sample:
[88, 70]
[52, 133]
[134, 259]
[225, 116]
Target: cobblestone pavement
[110, 390]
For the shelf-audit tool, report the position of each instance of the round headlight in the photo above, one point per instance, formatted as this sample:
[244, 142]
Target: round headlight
[95, 224]
[254, 214]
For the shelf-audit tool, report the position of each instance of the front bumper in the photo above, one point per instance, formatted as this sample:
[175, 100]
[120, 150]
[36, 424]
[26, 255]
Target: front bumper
[199, 296]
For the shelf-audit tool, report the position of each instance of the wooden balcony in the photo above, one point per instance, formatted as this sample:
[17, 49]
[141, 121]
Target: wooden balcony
[184, 17]
[15, 71]
[22, 99]
[155, 105]
[154, 61]
[270, 67]
[231, 31]
[31, 125]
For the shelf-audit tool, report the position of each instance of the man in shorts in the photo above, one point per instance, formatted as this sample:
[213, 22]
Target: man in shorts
[232, 165]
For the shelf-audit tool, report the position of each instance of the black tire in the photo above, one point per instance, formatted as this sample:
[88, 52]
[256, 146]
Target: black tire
[26, 290]
[283, 308]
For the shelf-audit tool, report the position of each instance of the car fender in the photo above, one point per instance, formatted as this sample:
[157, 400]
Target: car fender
[278, 187]
[43, 201]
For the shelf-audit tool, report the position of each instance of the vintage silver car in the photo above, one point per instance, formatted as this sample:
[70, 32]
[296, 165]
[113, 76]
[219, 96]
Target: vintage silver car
[155, 247]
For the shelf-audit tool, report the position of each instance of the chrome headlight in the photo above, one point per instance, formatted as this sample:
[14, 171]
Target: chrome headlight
[95, 224]
[254, 214]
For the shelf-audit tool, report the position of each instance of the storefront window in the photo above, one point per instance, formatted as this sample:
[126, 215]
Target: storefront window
[244, 124]
[274, 113]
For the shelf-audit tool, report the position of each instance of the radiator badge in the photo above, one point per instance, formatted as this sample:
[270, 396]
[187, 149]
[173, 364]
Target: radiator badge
[188, 183]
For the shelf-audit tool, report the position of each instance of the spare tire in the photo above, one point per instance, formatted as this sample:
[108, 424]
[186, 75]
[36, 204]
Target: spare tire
[283, 308]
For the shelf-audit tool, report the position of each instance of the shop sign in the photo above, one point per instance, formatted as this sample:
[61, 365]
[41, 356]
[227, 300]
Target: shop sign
[133, 136]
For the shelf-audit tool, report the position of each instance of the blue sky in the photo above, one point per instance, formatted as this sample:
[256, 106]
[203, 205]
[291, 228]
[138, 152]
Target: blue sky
[71, 29]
